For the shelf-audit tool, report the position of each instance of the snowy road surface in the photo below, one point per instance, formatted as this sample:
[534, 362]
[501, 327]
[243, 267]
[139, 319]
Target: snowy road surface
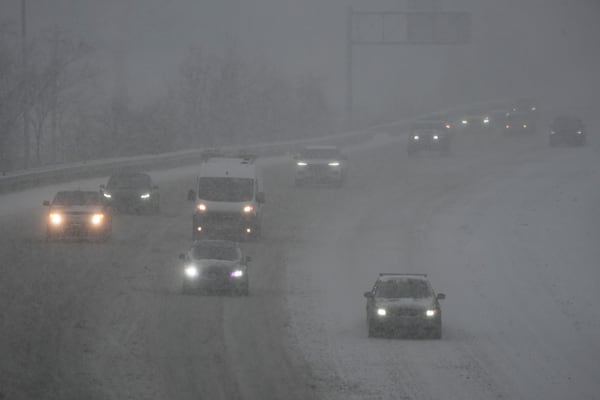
[506, 227]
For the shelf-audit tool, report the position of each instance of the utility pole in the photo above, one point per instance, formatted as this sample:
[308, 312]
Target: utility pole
[26, 85]
[349, 57]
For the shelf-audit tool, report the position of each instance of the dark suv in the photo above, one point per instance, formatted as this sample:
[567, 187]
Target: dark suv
[132, 192]
[404, 303]
[567, 130]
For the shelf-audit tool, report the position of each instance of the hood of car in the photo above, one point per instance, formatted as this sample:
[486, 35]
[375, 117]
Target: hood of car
[422, 304]
[77, 209]
[216, 264]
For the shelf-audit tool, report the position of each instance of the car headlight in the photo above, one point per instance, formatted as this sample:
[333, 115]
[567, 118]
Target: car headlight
[238, 273]
[191, 271]
[56, 219]
[464, 122]
[302, 163]
[580, 132]
[486, 121]
[248, 209]
[97, 219]
[334, 164]
[552, 132]
[524, 125]
[435, 137]
[416, 137]
[448, 126]
[201, 207]
[507, 126]
[381, 312]
[431, 313]
[107, 195]
[145, 196]
[533, 108]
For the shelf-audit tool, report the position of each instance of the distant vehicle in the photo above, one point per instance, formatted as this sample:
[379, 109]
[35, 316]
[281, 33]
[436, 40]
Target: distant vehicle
[526, 106]
[320, 164]
[78, 214]
[229, 198]
[496, 119]
[428, 135]
[473, 123]
[215, 266]
[518, 123]
[129, 191]
[567, 130]
[404, 303]
[444, 118]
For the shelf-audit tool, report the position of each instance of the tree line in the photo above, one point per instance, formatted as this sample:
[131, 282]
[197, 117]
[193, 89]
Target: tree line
[53, 108]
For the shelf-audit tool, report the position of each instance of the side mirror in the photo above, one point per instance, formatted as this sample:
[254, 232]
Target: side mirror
[182, 256]
[368, 295]
[260, 197]
[191, 196]
[46, 203]
[248, 259]
[441, 296]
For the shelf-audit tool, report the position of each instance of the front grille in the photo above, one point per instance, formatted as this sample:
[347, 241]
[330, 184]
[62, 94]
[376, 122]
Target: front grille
[406, 312]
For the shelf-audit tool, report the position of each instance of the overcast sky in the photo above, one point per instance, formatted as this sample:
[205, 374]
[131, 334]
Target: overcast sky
[519, 47]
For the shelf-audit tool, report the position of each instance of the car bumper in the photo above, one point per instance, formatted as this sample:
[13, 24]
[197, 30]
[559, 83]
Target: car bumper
[319, 173]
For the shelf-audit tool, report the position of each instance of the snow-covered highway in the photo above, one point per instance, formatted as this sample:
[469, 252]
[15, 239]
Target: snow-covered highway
[506, 227]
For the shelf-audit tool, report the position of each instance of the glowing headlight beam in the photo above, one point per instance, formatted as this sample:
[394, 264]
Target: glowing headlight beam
[145, 196]
[201, 207]
[191, 271]
[301, 163]
[238, 273]
[107, 195]
[381, 312]
[56, 219]
[248, 209]
[416, 137]
[435, 137]
[334, 164]
[431, 313]
[97, 219]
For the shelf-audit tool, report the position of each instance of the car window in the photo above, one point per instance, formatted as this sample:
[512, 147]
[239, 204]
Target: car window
[320, 153]
[208, 252]
[226, 189]
[76, 198]
[129, 181]
[403, 288]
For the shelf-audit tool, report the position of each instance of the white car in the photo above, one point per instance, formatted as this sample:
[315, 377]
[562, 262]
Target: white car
[320, 164]
[215, 266]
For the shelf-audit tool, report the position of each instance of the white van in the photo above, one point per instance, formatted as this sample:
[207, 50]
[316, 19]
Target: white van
[229, 197]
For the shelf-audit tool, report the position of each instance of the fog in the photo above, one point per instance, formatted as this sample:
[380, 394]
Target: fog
[539, 48]
[191, 120]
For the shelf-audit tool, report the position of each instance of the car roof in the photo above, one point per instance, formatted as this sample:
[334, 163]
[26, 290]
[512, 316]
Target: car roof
[321, 147]
[394, 276]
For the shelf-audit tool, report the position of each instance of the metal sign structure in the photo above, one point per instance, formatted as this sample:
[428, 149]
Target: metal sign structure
[401, 28]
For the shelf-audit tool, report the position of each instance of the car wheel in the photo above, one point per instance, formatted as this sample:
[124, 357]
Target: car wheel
[436, 333]
[372, 332]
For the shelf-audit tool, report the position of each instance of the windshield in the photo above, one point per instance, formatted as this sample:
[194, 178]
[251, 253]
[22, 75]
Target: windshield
[567, 123]
[133, 181]
[77, 198]
[403, 288]
[208, 252]
[320, 154]
[226, 189]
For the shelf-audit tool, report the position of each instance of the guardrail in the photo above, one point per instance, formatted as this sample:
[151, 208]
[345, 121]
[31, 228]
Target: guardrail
[82, 170]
